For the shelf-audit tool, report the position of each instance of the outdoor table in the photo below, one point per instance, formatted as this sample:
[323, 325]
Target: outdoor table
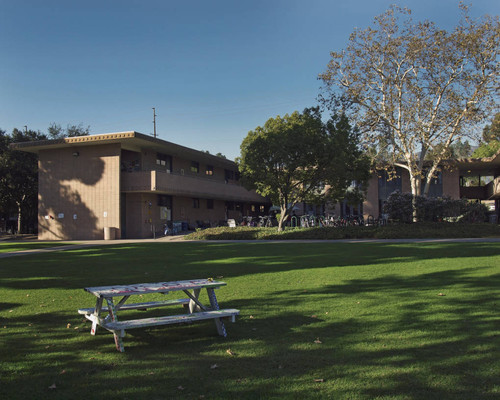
[105, 313]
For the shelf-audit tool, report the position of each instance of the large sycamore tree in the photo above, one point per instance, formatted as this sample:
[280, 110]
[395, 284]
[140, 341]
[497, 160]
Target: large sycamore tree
[299, 157]
[414, 89]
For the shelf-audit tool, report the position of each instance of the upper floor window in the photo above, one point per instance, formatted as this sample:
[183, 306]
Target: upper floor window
[209, 170]
[164, 160]
[195, 167]
[475, 180]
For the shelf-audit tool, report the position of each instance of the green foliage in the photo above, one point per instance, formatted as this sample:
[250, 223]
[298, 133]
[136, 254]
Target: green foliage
[491, 132]
[57, 132]
[487, 149]
[425, 230]
[491, 139]
[19, 178]
[299, 158]
[399, 207]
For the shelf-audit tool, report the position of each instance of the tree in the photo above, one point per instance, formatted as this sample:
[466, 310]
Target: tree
[19, 176]
[414, 89]
[299, 158]
[491, 139]
[57, 132]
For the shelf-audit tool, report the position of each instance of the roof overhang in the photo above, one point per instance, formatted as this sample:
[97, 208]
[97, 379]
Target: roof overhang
[133, 141]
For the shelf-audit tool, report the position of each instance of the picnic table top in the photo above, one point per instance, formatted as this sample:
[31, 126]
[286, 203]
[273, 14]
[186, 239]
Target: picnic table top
[157, 287]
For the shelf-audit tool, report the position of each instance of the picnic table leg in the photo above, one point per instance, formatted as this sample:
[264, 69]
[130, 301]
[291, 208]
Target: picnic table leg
[97, 313]
[114, 318]
[221, 329]
[192, 305]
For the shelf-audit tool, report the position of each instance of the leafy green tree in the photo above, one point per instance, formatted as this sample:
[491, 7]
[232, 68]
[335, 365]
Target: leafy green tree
[19, 177]
[299, 158]
[491, 139]
[55, 131]
[414, 89]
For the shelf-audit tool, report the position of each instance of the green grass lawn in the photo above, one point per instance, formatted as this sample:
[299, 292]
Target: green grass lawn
[12, 246]
[319, 321]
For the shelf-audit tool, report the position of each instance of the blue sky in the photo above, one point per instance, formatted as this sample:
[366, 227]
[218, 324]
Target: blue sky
[213, 70]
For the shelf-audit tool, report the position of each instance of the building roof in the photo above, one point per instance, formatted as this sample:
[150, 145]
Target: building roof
[487, 163]
[131, 140]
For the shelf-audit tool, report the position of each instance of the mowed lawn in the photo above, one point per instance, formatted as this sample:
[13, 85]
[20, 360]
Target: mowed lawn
[318, 320]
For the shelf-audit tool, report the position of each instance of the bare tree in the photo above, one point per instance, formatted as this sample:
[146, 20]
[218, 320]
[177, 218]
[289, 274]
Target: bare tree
[415, 89]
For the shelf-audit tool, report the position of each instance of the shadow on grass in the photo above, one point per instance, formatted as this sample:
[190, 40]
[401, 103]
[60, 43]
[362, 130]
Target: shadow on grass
[376, 336]
[153, 262]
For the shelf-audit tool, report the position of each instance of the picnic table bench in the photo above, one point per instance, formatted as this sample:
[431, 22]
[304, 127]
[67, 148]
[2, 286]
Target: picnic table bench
[105, 312]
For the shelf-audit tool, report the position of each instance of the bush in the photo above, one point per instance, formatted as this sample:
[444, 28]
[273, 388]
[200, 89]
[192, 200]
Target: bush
[443, 230]
[399, 207]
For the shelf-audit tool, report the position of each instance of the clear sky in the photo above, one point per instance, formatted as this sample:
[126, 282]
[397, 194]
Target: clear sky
[213, 69]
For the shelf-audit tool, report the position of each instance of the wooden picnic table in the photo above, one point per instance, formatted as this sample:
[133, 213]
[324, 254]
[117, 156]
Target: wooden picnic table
[105, 312]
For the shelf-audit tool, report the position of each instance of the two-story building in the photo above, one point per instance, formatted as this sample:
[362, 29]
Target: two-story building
[466, 178]
[129, 185]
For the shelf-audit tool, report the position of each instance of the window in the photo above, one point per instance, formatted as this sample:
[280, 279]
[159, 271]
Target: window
[195, 167]
[210, 204]
[164, 200]
[228, 174]
[484, 180]
[196, 203]
[209, 170]
[262, 209]
[388, 183]
[164, 160]
[436, 185]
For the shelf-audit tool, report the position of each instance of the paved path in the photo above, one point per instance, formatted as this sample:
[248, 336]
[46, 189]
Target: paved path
[180, 239]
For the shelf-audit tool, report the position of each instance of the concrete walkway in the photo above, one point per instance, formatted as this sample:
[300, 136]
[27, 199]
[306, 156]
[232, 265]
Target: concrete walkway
[79, 244]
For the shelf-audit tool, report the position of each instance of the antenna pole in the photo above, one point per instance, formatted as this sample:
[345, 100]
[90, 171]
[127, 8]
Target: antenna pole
[154, 121]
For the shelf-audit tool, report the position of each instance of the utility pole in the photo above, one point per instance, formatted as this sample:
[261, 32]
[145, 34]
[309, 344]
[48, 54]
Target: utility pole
[154, 121]
[26, 129]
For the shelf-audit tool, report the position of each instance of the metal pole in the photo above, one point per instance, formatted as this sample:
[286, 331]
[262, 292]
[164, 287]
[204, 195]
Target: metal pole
[154, 121]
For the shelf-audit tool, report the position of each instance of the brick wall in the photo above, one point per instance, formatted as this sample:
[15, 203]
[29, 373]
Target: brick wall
[79, 192]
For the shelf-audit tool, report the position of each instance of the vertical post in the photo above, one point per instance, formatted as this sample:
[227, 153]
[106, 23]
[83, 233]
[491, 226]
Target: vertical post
[112, 314]
[154, 121]
[221, 329]
[97, 315]
[192, 305]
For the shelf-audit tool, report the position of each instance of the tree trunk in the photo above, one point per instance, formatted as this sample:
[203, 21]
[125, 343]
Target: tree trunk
[282, 220]
[416, 189]
[19, 215]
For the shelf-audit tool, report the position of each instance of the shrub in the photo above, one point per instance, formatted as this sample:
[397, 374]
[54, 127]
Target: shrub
[399, 207]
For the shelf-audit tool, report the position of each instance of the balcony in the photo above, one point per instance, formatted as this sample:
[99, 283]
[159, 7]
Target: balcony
[185, 185]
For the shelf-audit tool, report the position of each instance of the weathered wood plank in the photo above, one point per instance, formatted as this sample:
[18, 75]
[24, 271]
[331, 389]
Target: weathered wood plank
[221, 329]
[159, 287]
[138, 306]
[168, 320]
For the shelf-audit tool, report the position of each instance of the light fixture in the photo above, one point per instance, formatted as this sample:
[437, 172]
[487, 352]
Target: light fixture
[76, 154]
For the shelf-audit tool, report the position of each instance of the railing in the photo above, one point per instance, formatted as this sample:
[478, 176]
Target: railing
[185, 185]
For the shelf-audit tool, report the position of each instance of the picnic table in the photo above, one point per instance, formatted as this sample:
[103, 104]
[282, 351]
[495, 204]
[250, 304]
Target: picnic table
[105, 312]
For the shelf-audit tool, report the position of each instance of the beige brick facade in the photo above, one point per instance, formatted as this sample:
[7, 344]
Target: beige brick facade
[115, 183]
[79, 192]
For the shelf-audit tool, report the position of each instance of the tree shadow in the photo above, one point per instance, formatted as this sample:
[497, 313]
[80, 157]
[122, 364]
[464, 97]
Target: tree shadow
[62, 211]
[388, 335]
